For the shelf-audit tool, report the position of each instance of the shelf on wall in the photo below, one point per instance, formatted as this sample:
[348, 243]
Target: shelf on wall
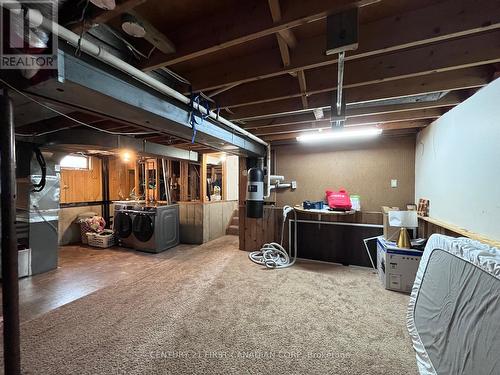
[461, 231]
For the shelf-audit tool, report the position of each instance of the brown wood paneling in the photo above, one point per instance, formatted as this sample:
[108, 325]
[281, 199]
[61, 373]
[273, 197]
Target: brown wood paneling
[119, 179]
[82, 185]
[335, 243]
[202, 222]
[256, 232]
[364, 168]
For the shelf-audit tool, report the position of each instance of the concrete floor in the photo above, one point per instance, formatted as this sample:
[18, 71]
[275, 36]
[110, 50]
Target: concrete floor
[82, 270]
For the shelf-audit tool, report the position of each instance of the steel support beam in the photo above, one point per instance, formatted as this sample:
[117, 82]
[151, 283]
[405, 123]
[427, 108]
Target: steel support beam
[88, 85]
[84, 139]
[10, 281]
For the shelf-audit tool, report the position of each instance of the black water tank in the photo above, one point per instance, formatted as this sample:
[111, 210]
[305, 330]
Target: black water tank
[255, 193]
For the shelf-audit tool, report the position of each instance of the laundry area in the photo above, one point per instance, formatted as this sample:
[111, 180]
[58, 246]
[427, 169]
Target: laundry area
[250, 187]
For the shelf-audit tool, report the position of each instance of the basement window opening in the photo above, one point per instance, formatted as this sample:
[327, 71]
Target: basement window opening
[75, 162]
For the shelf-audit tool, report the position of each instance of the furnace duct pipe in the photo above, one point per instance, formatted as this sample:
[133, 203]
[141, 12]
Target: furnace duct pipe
[10, 280]
[37, 19]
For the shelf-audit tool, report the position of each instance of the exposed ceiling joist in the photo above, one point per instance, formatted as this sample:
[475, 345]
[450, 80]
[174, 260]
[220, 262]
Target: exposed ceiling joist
[303, 88]
[438, 22]
[227, 30]
[452, 80]
[450, 100]
[153, 35]
[286, 34]
[480, 49]
[496, 73]
[286, 39]
[423, 114]
[395, 126]
[221, 90]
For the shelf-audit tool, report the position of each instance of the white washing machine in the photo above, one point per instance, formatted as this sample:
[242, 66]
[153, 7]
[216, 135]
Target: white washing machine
[143, 227]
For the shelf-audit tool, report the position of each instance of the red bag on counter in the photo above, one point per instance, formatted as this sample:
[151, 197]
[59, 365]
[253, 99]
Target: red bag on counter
[338, 200]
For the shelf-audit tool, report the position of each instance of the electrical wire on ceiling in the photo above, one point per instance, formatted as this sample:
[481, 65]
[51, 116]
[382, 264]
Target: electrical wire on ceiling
[176, 76]
[83, 30]
[137, 54]
[66, 116]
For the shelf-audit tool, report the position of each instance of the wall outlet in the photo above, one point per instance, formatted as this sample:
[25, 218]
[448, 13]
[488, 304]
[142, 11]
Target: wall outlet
[394, 183]
[294, 184]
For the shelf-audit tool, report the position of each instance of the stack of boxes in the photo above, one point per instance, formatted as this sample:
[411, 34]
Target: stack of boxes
[397, 267]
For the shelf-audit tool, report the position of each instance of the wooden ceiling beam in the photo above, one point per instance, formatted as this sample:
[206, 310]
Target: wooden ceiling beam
[450, 100]
[286, 34]
[434, 23]
[286, 39]
[435, 82]
[424, 114]
[476, 50]
[403, 125]
[303, 88]
[227, 29]
[154, 36]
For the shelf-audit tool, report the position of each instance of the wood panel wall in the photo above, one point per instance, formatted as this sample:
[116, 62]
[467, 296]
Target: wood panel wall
[119, 179]
[361, 168]
[82, 185]
[201, 222]
[255, 232]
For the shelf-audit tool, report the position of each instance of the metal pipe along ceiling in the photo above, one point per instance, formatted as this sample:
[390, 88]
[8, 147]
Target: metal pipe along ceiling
[37, 19]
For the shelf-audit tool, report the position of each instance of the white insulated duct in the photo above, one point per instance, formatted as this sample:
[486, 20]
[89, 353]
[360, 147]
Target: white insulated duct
[36, 18]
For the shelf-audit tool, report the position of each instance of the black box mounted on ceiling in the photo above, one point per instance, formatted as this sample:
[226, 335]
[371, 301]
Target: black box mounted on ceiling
[342, 31]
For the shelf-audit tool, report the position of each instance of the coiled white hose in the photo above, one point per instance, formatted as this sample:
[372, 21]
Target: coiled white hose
[274, 255]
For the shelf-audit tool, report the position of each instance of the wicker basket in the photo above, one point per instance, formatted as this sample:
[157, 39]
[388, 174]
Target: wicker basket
[102, 240]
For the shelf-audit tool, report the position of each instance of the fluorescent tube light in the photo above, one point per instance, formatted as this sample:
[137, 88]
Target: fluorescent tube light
[339, 135]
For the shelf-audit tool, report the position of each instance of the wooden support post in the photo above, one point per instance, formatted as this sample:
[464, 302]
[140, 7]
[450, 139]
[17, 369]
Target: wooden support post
[242, 196]
[136, 178]
[224, 180]
[184, 181]
[105, 189]
[157, 179]
[203, 178]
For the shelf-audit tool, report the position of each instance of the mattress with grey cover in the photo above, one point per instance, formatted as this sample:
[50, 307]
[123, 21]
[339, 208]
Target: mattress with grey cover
[454, 310]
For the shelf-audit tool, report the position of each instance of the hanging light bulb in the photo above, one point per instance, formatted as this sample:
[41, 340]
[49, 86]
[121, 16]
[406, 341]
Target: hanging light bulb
[126, 156]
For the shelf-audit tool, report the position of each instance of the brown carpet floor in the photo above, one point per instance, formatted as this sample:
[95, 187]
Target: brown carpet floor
[209, 310]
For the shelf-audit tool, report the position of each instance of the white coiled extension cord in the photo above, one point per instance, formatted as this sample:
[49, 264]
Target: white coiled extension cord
[274, 255]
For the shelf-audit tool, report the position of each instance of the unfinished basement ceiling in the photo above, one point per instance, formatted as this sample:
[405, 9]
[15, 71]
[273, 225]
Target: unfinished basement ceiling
[264, 64]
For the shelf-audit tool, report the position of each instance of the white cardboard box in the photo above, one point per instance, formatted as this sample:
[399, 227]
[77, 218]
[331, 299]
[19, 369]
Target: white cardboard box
[396, 267]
